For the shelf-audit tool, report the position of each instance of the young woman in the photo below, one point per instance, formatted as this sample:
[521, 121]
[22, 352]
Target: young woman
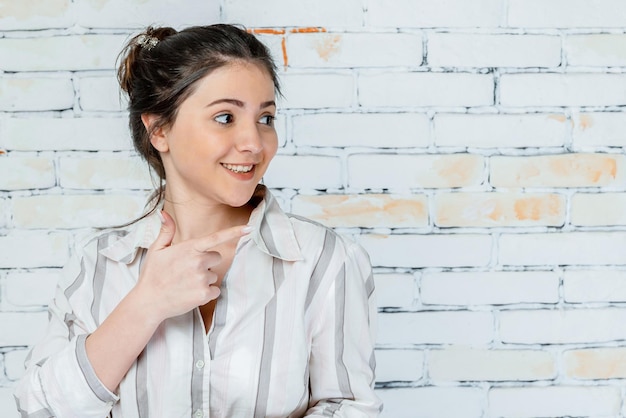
[216, 303]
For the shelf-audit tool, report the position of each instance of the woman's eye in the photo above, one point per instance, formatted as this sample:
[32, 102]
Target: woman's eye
[267, 120]
[224, 119]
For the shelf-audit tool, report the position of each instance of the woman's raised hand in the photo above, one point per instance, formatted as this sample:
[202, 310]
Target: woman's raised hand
[176, 278]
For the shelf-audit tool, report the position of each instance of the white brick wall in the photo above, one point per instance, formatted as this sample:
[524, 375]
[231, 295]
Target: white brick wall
[474, 148]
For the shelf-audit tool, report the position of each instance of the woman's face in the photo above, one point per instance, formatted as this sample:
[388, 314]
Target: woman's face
[223, 138]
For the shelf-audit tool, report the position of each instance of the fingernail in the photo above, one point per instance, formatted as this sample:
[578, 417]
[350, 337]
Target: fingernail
[161, 216]
[247, 229]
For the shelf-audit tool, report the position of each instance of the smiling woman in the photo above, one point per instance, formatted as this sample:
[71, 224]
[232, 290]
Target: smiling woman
[215, 302]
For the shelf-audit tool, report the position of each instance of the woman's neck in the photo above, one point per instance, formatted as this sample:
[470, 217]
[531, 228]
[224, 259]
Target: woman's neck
[196, 220]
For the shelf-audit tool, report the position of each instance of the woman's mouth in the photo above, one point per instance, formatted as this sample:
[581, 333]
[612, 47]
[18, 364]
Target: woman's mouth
[236, 168]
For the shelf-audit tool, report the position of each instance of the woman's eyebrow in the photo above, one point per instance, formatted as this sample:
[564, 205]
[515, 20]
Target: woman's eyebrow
[239, 103]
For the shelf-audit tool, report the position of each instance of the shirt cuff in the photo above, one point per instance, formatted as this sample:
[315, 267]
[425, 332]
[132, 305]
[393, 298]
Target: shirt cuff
[101, 391]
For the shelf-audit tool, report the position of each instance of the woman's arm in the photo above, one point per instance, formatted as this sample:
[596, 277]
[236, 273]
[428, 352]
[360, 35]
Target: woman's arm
[342, 356]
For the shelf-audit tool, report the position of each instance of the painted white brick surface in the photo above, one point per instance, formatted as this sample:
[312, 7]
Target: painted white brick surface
[497, 50]
[500, 130]
[554, 401]
[66, 134]
[24, 94]
[375, 130]
[405, 89]
[474, 148]
[345, 50]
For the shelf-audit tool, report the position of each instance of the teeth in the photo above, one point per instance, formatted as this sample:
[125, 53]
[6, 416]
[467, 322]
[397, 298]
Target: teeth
[238, 168]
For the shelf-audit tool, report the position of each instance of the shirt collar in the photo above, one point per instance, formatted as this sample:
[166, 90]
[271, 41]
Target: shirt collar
[272, 232]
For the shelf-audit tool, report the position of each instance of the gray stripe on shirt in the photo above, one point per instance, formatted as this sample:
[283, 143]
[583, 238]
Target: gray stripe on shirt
[343, 378]
[320, 267]
[269, 334]
[98, 279]
[141, 385]
[197, 355]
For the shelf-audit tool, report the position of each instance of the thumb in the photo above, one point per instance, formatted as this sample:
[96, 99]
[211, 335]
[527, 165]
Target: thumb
[166, 234]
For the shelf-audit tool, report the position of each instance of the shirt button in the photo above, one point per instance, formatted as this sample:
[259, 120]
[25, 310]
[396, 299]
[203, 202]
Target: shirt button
[199, 365]
[198, 414]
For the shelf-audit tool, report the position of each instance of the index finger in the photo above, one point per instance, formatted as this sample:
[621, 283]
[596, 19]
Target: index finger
[211, 241]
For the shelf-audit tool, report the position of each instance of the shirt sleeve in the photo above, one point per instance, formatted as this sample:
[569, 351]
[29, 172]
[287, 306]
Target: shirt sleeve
[342, 361]
[59, 380]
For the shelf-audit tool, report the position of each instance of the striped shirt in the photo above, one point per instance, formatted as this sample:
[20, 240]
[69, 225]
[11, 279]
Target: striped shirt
[292, 333]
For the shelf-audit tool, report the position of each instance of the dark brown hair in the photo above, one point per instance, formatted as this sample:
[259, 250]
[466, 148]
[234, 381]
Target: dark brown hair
[160, 67]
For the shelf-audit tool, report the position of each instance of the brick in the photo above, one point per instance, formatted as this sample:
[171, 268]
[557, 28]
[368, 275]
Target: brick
[431, 14]
[104, 173]
[554, 401]
[562, 170]
[582, 286]
[440, 327]
[138, 13]
[415, 171]
[402, 89]
[308, 13]
[100, 94]
[489, 288]
[322, 172]
[33, 249]
[443, 250]
[20, 173]
[75, 211]
[14, 363]
[473, 364]
[60, 53]
[551, 249]
[597, 129]
[500, 130]
[425, 402]
[345, 50]
[566, 13]
[493, 50]
[366, 210]
[550, 89]
[22, 328]
[399, 365]
[36, 14]
[30, 288]
[395, 290]
[317, 91]
[4, 212]
[603, 50]
[598, 209]
[562, 326]
[596, 363]
[499, 209]
[25, 94]
[376, 130]
[64, 134]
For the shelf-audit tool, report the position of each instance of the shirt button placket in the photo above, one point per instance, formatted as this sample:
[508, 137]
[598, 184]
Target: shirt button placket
[198, 414]
[199, 364]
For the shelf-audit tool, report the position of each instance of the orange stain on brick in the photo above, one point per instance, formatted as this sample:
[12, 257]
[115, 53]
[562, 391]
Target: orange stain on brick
[283, 45]
[267, 31]
[328, 46]
[537, 208]
[593, 168]
[598, 364]
[458, 170]
[557, 117]
[308, 30]
[585, 122]
[368, 210]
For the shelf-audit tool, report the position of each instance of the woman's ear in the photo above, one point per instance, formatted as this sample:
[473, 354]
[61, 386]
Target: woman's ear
[157, 136]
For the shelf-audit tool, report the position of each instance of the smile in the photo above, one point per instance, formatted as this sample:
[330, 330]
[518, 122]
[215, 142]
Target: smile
[238, 168]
